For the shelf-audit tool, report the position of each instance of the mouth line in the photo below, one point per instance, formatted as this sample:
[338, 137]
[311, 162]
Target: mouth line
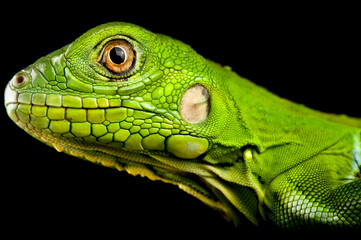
[70, 100]
[70, 115]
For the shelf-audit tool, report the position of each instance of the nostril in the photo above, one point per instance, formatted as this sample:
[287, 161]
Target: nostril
[20, 80]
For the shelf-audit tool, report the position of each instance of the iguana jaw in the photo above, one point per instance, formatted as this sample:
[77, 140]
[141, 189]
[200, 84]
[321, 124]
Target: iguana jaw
[138, 164]
[167, 169]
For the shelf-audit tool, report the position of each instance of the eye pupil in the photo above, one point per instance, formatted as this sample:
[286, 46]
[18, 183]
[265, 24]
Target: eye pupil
[117, 55]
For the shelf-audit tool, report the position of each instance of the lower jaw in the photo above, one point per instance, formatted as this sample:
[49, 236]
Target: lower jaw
[132, 162]
[135, 163]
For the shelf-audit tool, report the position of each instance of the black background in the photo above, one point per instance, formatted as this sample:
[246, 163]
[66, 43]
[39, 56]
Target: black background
[306, 53]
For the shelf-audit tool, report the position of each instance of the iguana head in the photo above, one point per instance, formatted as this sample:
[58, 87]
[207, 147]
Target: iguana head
[130, 99]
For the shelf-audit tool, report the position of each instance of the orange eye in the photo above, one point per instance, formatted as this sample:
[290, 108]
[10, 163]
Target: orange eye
[118, 56]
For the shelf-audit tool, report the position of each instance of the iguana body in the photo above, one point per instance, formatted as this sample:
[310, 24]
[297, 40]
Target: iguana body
[145, 103]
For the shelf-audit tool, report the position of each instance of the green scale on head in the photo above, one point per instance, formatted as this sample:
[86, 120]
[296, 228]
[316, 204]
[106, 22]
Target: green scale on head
[127, 98]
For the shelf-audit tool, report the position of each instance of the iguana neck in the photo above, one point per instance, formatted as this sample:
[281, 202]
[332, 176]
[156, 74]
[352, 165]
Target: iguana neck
[265, 112]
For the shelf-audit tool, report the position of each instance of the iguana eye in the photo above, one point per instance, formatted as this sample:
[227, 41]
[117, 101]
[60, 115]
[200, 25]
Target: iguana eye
[118, 56]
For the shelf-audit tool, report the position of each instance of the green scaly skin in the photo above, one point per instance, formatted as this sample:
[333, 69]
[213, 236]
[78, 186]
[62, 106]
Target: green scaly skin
[238, 148]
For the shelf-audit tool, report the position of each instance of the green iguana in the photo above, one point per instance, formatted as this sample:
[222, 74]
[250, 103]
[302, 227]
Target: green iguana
[129, 99]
